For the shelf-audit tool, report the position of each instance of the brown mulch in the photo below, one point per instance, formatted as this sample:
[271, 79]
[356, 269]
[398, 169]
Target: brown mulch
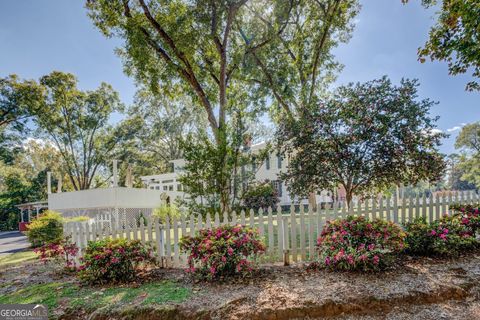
[419, 288]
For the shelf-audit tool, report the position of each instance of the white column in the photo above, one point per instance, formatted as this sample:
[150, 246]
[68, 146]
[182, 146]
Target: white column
[60, 184]
[49, 182]
[21, 214]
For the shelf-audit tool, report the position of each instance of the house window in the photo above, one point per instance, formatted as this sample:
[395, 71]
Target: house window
[267, 163]
[277, 184]
[170, 188]
[279, 161]
[165, 188]
[179, 187]
[157, 187]
[152, 188]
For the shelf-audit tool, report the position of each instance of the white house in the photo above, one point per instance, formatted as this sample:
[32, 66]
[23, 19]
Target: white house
[269, 170]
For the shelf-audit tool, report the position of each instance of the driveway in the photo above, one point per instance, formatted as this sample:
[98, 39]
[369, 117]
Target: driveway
[12, 241]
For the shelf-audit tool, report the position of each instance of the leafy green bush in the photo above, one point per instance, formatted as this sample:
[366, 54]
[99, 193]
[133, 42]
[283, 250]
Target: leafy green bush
[165, 212]
[444, 237]
[260, 196]
[114, 260]
[222, 251]
[45, 229]
[355, 243]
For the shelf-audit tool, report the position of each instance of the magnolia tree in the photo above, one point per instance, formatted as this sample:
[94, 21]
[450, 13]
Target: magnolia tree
[365, 137]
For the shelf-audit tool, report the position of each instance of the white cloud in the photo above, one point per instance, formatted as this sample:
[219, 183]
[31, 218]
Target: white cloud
[456, 128]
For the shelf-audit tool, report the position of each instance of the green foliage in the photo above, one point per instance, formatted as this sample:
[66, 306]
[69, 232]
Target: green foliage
[456, 173]
[267, 49]
[454, 38]
[213, 175]
[167, 212]
[19, 100]
[355, 243]
[366, 137]
[114, 260]
[260, 196]
[223, 251]
[444, 237]
[45, 229]
[468, 141]
[78, 123]
[60, 294]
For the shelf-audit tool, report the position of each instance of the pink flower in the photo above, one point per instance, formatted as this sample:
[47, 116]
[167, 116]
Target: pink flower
[376, 260]
[224, 259]
[445, 231]
[327, 261]
[433, 232]
[371, 246]
[212, 270]
[230, 251]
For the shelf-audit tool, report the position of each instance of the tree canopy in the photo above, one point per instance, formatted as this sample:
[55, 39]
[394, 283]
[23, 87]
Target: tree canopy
[468, 141]
[77, 123]
[454, 38]
[365, 137]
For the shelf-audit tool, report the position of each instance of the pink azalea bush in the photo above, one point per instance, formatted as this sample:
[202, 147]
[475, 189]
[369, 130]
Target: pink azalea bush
[61, 252]
[114, 260]
[223, 251]
[356, 243]
[469, 215]
[447, 236]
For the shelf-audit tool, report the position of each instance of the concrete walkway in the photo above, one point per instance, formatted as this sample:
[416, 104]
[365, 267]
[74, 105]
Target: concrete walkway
[12, 241]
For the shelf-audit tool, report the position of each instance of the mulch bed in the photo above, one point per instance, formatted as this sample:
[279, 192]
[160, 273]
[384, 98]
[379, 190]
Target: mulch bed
[419, 288]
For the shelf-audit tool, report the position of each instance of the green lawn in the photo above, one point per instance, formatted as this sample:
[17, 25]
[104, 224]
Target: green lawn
[17, 257]
[70, 295]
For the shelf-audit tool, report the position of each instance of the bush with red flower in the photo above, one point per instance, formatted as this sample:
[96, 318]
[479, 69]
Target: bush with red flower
[114, 260]
[469, 215]
[223, 251]
[356, 243]
[59, 252]
[448, 236]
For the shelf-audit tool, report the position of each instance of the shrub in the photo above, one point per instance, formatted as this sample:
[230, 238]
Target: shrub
[114, 260]
[223, 251]
[45, 229]
[165, 212]
[61, 252]
[469, 215]
[355, 243]
[260, 196]
[447, 236]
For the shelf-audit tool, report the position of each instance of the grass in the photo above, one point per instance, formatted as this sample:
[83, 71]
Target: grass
[17, 257]
[90, 298]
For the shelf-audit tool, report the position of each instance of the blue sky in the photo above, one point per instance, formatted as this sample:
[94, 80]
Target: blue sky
[40, 36]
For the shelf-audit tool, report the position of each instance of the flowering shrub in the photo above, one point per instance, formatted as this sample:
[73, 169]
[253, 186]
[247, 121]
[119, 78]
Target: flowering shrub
[355, 243]
[45, 229]
[447, 236]
[469, 216]
[62, 251]
[222, 251]
[115, 260]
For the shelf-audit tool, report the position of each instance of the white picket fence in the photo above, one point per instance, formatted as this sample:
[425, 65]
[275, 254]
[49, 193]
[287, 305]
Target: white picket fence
[287, 235]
